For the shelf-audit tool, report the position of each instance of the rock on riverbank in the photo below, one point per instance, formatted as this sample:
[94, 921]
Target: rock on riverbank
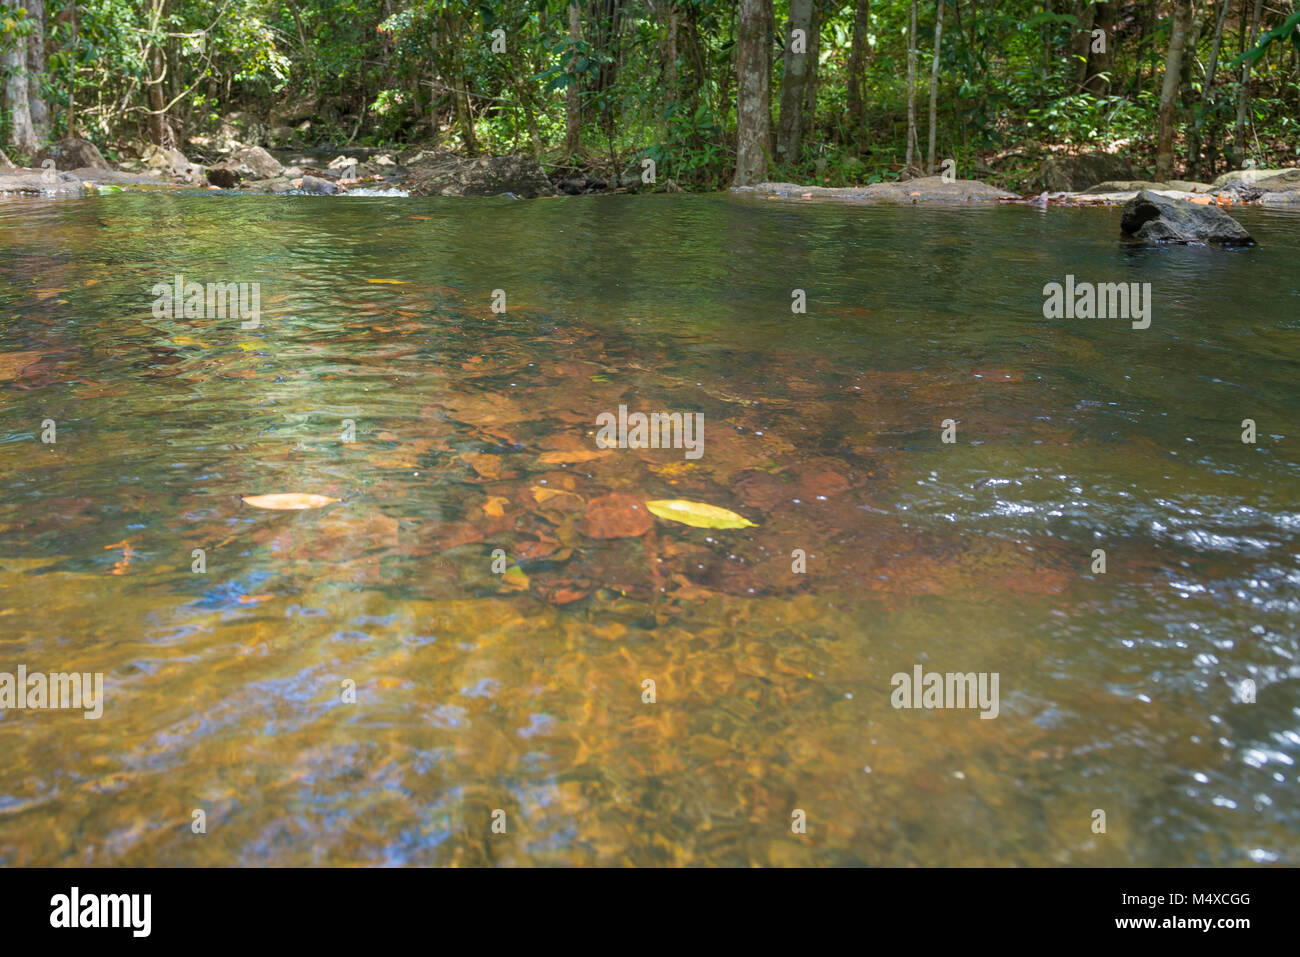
[929, 190]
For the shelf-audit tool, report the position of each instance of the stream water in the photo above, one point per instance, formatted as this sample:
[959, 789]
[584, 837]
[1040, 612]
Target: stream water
[1161, 692]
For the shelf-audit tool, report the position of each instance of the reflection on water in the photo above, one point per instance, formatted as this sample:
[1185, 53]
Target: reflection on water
[477, 691]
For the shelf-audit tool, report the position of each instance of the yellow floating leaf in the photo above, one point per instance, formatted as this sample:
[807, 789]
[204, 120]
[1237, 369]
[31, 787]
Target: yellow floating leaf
[696, 514]
[189, 341]
[391, 282]
[281, 501]
[249, 346]
[494, 507]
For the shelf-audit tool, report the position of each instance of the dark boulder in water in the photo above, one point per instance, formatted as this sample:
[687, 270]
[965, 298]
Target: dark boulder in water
[1153, 218]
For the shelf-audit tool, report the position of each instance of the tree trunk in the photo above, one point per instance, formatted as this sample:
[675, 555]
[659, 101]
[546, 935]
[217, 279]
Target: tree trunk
[1169, 92]
[156, 74]
[13, 63]
[156, 120]
[1081, 40]
[465, 113]
[572, 105]
[1207, 99]
[1243, 98]
[670, 56]
[794, 78]
[36, 69]
[857, 69]
[753, 91]
[1099, 61]
[814, 58]
[934, 83]
[912, 151]
[1187, 84]
[72, 106]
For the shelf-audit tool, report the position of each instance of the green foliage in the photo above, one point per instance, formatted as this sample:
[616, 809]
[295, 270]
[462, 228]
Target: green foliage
[389, 72]
[1290, 28]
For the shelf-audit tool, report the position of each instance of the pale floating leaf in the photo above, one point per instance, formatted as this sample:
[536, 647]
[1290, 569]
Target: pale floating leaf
[696, 514]
[282, 501]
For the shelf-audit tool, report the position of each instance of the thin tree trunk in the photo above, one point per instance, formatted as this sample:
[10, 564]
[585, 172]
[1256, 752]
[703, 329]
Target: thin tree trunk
[72, 87]
[794, 78]
[13, 63]
[912, 151]
[156, 103]
[308, 59]
[1243, 98]
[36, 69]
[1099, 61]
[1212, 67]
[753, 91]
[157, 72]
[1169, 92]
[814, 56]
[1081, 40]
[857, 58]
[572, 105]
[934, 83]
[465, 112]
[1207, 96]
[1187, 84]
[670, 56]
[1047, 41]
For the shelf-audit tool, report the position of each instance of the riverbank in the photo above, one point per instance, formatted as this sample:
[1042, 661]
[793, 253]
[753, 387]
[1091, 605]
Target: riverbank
[1236, 188]
[76, 168]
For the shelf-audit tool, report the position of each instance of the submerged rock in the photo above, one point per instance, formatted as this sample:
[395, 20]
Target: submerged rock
[1072, 174]
[1153, 218]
